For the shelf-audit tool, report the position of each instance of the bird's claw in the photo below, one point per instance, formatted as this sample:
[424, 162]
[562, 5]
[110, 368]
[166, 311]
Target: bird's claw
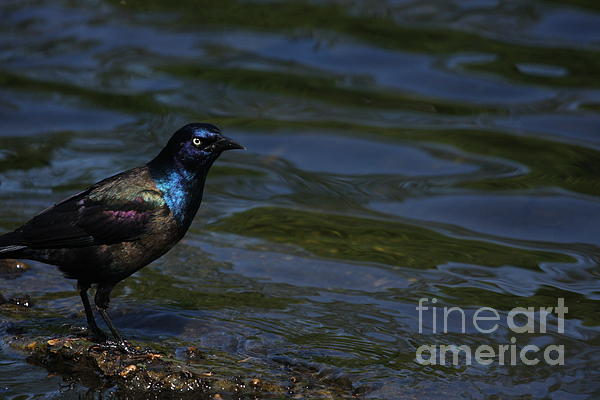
[121, 346]
[98, 335]
[127, 348]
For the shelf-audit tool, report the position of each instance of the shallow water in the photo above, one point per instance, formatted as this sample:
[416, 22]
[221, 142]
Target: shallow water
[396, 150]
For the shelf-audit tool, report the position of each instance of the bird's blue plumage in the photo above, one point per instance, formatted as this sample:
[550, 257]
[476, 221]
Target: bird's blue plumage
[175, 188]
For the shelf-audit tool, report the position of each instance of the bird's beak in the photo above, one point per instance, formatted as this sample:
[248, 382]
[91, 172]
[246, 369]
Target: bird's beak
[227, 144]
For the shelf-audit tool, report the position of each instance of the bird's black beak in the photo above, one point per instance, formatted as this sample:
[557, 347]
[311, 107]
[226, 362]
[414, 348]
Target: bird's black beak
[227, 144]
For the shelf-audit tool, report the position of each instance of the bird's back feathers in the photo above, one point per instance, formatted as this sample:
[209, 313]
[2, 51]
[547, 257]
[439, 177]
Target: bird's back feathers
[114, 210]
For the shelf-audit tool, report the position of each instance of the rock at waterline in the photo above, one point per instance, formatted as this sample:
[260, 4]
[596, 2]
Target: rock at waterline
[153, 374]
[10, 269]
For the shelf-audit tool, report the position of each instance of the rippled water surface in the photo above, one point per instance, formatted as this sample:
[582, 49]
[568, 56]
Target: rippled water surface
[396, 150]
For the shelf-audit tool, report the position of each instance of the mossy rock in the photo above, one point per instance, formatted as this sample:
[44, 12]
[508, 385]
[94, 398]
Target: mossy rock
[150, 374]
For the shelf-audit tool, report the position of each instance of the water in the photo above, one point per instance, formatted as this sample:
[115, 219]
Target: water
[396, 150]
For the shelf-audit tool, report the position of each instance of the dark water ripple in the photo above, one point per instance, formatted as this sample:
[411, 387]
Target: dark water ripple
[397, 150]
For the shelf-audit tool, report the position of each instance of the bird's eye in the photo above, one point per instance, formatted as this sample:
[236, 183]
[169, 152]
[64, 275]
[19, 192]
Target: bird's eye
[197, 142]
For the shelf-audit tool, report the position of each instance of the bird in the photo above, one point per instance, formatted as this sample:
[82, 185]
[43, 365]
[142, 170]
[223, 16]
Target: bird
[112, 229]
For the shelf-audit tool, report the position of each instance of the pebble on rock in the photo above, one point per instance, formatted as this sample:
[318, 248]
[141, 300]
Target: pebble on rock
[10, 269]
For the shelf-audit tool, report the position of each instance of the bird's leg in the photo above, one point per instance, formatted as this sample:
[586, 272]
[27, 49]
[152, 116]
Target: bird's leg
[101, 300]
[89, 314]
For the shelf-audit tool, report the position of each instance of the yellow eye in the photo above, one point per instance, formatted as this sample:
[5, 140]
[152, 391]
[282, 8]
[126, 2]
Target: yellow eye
[197, 142]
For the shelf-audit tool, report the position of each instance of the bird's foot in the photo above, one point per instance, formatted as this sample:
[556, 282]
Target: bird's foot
[126, 348]
[98, 334]
[79, 331]
[137, 351]
[121, 346]
[129, 350]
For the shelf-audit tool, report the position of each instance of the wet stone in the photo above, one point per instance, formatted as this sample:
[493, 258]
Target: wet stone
[21, 301]
[194, 354]
[10, 269]
[150, 374]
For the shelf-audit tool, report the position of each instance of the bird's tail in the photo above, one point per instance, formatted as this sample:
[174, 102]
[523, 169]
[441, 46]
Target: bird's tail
[9, 243]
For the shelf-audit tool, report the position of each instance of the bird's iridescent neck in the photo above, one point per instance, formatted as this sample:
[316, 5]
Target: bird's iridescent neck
[181, 187]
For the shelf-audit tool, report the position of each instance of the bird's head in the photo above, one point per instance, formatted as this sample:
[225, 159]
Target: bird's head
[195, 147]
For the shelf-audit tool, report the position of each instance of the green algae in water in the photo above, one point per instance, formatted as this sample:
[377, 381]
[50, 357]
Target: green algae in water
[371, 240]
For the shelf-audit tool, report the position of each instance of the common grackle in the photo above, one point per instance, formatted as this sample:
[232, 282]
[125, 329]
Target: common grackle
[107, 232]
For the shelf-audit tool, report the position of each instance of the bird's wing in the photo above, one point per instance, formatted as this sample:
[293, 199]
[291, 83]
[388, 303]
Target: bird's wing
[106, 213]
